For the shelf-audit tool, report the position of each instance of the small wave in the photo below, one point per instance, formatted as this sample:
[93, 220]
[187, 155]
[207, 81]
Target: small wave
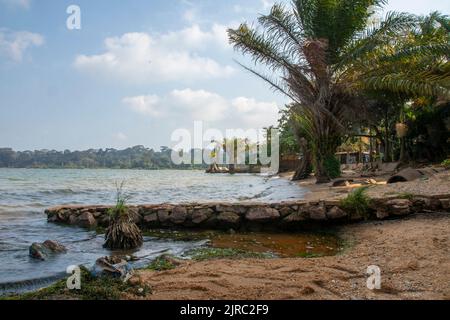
[29, 285]
[64, 191]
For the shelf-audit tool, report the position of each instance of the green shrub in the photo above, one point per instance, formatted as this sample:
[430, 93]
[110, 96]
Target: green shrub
[162, 263]
[357, 203]
[446, 163]
[333, 167]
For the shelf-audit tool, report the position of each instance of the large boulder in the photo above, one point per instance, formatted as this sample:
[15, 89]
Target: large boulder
[201, 215]
[86, 220]
[227, 220]
[43, 250]
[262, 214]
[151, 220]
[316, 212]
[336, 213]
[294, 220]
[164, 217]
[178, 216]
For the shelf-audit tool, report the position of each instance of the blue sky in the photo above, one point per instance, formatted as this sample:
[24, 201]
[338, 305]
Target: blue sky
[136, 71]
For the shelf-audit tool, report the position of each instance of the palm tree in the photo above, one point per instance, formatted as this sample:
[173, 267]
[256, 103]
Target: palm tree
[316, 49]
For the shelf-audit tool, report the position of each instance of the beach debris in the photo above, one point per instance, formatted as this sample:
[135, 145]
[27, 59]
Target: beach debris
[410, 174]
[114, 266]
[43, 250]
[342, 183]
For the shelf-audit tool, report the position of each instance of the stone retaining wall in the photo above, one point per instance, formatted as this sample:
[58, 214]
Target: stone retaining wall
[247, 216]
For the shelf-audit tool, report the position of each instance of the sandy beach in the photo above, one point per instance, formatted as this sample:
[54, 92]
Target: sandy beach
[413, 255]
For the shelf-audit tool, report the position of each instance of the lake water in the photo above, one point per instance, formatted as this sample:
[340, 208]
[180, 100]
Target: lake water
[26, 193]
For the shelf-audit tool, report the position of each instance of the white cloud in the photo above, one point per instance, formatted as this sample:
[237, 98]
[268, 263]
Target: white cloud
[188, 104]
[251, 111]
[17, 3]
[194, 38]
[13, 44]
[142, 57]
[147, 105]
[200, 104]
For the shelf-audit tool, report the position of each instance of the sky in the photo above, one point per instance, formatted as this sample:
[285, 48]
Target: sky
[134, 73]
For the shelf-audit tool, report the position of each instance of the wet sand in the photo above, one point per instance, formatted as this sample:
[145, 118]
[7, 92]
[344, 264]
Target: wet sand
[413, 255]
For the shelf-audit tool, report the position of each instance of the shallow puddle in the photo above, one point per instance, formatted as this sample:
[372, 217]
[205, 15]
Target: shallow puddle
[281, 244]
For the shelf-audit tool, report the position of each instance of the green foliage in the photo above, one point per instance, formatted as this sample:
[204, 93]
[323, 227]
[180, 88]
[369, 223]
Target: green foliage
[209, 253]
[120, 209]
[357, 202]
[161, 263]
[446, 163]
[137, 157]
[406, 195]
[309, 255]
[332, 167]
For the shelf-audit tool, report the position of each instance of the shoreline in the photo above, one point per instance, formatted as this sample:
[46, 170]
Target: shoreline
[411, 250]
[412, 253]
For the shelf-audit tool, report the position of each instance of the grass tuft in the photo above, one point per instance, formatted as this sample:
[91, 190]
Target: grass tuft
[357, 202]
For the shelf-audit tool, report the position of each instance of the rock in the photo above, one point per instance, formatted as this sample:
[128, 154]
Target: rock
[201, 215]
[294, 218]
[227, 220]
[86, 220]
[317, 212]
[151, 220]
[179, 215]
[399, 207]
[73, 220]
[54, 246]
[231, 208]
[285, 211]
[336, 213]
[164, 217]
[445, 203]
[382, 213]
[42, 251]
[104, 220]
[433, 204]
[262, 214]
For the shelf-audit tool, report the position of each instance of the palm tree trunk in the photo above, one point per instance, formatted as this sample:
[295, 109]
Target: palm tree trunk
[304, 168]
[323, 152]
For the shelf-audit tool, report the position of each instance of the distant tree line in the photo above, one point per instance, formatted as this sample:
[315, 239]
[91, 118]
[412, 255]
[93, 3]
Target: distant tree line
[137, 157]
